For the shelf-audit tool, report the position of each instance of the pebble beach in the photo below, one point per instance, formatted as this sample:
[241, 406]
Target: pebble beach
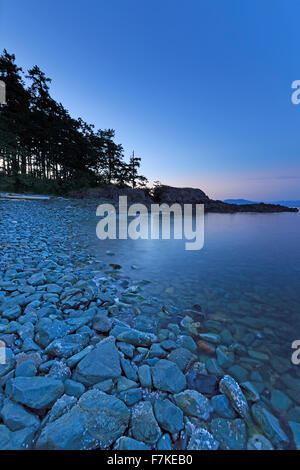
[93, 362]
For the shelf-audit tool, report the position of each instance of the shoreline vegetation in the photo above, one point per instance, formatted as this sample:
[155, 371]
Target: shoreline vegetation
[93, 363]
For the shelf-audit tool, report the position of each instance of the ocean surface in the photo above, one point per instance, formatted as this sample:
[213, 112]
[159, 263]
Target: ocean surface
[246, 279]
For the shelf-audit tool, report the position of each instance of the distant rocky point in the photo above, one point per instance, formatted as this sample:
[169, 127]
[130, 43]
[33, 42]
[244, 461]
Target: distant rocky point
[171, 195]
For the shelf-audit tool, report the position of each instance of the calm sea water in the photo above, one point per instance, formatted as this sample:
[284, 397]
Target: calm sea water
[250, 263]
[247, 274]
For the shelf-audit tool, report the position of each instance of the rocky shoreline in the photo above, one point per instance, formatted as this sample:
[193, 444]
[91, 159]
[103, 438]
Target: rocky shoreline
[87, 368]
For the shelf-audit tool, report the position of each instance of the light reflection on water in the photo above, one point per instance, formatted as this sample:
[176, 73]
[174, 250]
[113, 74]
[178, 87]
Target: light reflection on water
[248, 273]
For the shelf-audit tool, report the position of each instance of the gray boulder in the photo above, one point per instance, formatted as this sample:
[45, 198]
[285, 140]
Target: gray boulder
[193, 403]
[167, 377]
[231, 434]
[34, 392]
[67, 346]
[16, 440]
[144, 425]
[102, 323]
[168, 415]
[270, 425]
[144, 373]
[16, 417]
[97, 421]
[100, 364]
[47, 330]
[232, 390]
[182, 357]
[202, 440]
[136, 337]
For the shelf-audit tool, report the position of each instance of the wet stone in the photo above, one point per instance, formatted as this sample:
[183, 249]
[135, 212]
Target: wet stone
[144, 373]
[131, 396]
[229, 387]
[231, 434]
[193, 403]
[96, 420]
[34, 392]
[100, 364]
[168, 377]
[269, 425]
[144, 425]
[203, 383]
[26, 369]
[182, 357]
[222, 406]
[16, 417]
[169, 416]
[202, 440]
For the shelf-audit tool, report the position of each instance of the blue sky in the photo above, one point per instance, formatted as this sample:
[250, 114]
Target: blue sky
[200, 89]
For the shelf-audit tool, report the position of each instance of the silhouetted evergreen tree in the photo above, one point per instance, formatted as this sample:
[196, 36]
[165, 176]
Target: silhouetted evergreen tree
[134, 178]
[39, 138]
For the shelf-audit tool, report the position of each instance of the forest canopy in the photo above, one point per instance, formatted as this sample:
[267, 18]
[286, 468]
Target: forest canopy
[43, 147]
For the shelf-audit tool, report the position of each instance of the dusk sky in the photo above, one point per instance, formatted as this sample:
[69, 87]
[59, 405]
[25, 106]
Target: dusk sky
[200, 89]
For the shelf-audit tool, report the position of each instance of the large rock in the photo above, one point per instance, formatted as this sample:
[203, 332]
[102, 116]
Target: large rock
[222, 406]
[16, 417]
[35, 392]
[102, 323]
[144, 373]
[193, 403]
[67, 346]
[167, 377]
[169, 195]
[182, 357]
[12, 313]
[37, 279]
[60, 407]
[270, 425]
[136, 337]
[203, 383]
[97, 421]
[100, 364]
[144, 425]
[17, 440]
[169, 416]
[232, 390]
[202, 440]
[47, 330]
[231, 434]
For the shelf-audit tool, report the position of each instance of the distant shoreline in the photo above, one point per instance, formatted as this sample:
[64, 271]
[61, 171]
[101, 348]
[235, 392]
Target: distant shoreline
[165, 194]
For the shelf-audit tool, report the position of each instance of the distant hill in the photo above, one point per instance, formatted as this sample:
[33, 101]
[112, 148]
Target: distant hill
[240, 202]
[288, 203]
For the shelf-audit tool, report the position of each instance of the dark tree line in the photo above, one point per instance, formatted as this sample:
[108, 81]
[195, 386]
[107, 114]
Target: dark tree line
[39, 139]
